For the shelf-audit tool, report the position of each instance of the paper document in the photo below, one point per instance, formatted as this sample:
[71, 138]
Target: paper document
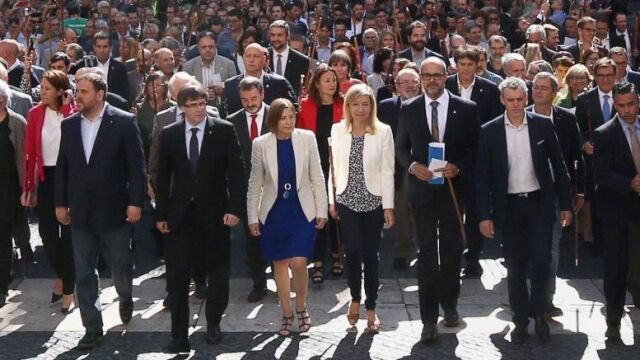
[436, 164]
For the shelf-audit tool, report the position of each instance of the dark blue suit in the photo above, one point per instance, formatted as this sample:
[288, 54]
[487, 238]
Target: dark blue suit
[485, 94]
[98, 191]
[523, 223]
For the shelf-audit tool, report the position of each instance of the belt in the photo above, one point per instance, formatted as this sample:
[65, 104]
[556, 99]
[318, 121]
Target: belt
[524, 194]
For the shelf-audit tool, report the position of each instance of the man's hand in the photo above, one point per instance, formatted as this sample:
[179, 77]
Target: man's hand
[133, 214]
[320, 222]
[421, 172]
[449, 171]
[63, 215]
[486, 228]
[588, 148]
[578, 203]
[635, 184]
[163, 227]
[230, 220]
[254, 229]
[333, 212]
[565, 218]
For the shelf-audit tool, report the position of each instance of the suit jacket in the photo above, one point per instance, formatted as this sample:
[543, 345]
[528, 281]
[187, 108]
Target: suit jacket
[407, 54]
[220, 167]
[589, 113]
[634, 78]
[99, 189]
[135, 86]
[117, 80]
[118, 101]
[20, 102]
[162, 119]
[492, 168]
[239, 120]
[485, 94]
[574, 49]
[297, 65]
[616, 40]
[275, 86]
[15, 76]
[547, 54]
[389, 113]
[414, 136]
[568, 133]
[378, 160]
[221, 65]
[614, 170]
[263, 183]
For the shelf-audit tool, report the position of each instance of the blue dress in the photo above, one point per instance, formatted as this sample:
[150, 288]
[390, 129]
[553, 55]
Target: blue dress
[286, 233]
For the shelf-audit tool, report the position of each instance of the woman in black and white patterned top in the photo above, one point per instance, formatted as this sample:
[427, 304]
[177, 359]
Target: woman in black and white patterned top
[361, 190]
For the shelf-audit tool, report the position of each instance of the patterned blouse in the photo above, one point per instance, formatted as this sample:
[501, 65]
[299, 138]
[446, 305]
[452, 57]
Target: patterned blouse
[356, 196]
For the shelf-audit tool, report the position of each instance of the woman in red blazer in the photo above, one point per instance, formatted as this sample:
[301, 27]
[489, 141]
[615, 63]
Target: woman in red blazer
[42, 143]
[318, 112]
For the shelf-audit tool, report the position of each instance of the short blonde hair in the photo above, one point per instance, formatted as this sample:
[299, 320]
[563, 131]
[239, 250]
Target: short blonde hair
[355, 92]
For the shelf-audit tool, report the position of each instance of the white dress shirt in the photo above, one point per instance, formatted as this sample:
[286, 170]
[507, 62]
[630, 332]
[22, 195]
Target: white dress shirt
[259, 119]
[51, 133]
[104, 67]
[522, 175]
[627, 134]
[443, 107]
[89, 132]
[465, 93]
[550, 116]
[610, 100]
[199, 133]
[208, 73]
[285, 57]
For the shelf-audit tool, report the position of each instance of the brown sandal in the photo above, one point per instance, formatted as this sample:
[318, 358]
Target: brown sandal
[373, 326]
[287, 326]
[304, 321]
[353, 316]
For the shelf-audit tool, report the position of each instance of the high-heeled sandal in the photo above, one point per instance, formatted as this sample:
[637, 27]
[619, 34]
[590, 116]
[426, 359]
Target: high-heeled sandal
[373, 326]
[336, 268]
[304, 321]
[352, 316]
[287, 325]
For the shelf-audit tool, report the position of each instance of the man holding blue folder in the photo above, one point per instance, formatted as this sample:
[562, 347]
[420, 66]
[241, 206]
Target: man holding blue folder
[437, 117]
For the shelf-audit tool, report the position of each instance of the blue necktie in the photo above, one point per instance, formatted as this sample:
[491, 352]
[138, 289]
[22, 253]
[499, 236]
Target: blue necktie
[435, 130]
[606, 109]
[194, 151]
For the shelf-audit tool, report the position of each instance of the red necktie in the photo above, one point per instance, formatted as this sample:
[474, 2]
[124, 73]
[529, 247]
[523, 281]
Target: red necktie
[254, 127]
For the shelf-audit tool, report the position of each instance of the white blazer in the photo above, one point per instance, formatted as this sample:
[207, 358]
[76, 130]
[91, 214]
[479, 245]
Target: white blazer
[378, 160]
[263, 182]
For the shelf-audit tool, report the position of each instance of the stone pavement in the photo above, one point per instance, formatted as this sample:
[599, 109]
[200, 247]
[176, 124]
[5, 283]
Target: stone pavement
[30, 327]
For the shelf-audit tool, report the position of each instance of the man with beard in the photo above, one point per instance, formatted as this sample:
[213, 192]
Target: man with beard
[497, 47]
[105, 172]
[418, 52]
[284, 60]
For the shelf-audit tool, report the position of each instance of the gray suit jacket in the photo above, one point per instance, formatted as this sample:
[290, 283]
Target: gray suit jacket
[18, 128]
[162, 119]
[222, 66]
[20, 102]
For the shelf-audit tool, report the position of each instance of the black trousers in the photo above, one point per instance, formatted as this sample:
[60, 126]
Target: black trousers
[6, 255]
[254, 260]
[56, 238]
[440, 243]
[527, 236]
[327, 237]
[475, 240]
[362, 233]
[196, 234]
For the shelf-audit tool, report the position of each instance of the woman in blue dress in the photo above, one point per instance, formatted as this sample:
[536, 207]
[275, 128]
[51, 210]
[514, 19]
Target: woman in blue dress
[286, 205]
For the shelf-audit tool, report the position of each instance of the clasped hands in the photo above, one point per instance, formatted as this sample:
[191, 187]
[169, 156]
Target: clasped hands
[423, 173]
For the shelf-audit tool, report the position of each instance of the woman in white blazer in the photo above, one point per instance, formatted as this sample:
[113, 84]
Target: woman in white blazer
[363, 164]
[286, 204]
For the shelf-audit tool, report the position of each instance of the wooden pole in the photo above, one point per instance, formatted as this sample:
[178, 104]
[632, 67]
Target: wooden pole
[458, 213]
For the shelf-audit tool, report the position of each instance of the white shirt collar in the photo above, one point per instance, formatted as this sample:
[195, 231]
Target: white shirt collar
[508, 123]
[470, 86]
[443, 99]
[284, 52]
[533, 110]
[200, 126]
[260, 112]
[100, 116]
[602, 94]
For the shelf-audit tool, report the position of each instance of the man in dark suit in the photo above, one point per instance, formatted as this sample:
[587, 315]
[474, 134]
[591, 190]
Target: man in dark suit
[117, 79]
[418, 41]
[545, 89]
[250, 122]
[617, 164]
[284, 60]
[438, 116]
[440, 41]
[484, 94]
[621, 58]
[621, 36]
[594, 108]
[275, 86]
[99, 190]
[200, 160]
[520, 176]
[586, 33]
[408, 86]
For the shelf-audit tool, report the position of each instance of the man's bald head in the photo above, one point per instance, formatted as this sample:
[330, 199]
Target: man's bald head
[9, 50]
[433, 60]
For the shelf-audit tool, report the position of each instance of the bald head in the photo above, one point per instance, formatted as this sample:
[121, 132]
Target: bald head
[434, 61]
[255, 58]
[9, 50]
[164, 60]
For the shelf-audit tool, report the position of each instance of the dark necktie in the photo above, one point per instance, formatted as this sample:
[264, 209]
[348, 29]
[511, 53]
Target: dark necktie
[435, 130]
[194, 151]
[254, 127]
[443, 49]
[279, 65]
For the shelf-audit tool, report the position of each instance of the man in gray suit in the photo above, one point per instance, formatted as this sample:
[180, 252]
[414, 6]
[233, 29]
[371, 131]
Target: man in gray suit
[19, 101]
[210, 68]
[136, 76]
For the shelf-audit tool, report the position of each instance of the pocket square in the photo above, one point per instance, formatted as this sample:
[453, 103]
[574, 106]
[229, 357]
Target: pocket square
[540, 142]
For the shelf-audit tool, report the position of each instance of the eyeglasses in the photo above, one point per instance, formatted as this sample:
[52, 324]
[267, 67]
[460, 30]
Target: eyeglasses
[434, 76]
[408, 82]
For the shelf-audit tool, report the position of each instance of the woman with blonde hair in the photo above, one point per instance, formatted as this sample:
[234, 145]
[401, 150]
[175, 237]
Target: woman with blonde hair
[531, 52]
[578, 80]
[361, 190]
[286, 205]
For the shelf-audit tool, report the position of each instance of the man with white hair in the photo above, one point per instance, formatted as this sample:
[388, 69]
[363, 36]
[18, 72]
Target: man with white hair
[536, 34]
[514, 65]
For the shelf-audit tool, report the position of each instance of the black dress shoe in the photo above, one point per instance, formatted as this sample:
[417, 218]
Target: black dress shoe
[613, 333]
[177, 346]
[520, 334]
[214, 334]
[201, 291]
[451, 318]
[89, 340]
[257, 294]
[126, 311]
[429, 333]
[399, 263]
[542, 329]
[473, 270]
